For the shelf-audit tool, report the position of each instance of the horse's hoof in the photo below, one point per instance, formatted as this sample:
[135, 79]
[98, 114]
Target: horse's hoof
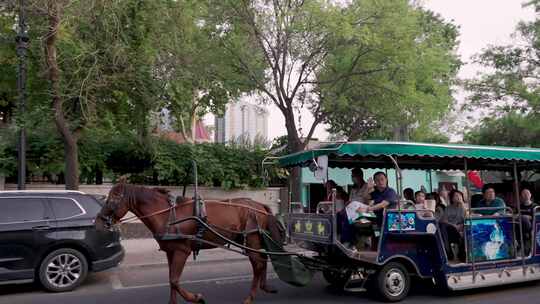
[269, 289]
[200, 299]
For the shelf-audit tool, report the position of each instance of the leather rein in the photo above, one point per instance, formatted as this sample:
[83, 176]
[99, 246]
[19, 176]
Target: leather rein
[173, 207]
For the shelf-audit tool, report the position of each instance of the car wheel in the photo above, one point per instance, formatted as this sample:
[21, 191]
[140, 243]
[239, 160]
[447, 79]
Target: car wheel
[393, 282]
[63, 270]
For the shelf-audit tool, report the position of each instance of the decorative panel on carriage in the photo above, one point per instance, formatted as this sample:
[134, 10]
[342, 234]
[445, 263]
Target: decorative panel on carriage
[311, 227]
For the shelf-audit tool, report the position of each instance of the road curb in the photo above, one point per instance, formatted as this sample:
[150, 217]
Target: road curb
[190, 262]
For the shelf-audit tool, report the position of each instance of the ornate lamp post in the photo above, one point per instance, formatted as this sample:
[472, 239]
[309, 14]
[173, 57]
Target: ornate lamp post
[22, 48]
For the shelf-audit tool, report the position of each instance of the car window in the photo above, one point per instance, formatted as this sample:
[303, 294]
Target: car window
[99, 198]
[64, 208]
[21, 210]
[89, 203]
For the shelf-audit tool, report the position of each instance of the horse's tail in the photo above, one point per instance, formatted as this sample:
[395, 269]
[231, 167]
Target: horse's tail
[275, 227]
[267, 209]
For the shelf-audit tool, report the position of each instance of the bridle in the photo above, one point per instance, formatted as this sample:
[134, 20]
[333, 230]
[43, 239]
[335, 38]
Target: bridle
[111, 206]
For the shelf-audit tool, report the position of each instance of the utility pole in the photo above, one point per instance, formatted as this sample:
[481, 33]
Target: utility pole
[22, 48]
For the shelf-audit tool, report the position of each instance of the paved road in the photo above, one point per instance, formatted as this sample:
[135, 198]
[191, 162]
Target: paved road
[228, 282]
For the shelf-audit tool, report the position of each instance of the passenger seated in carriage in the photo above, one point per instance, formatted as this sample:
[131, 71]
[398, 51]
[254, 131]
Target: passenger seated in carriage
[452, 224]
[383, 197]
[490, 200]
[420, 200]
[421, 203]
[380, 198]
[326, 205]
[342, 197]
[527, 214]
[329, 186]
[360, 191]
[409, 194]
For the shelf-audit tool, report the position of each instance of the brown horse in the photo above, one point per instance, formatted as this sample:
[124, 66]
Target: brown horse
[230, 218]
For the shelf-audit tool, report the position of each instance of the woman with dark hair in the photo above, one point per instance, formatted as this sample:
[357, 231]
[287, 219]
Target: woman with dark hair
[439, 206]
[454, 213]
[330, 185]
[452, 223]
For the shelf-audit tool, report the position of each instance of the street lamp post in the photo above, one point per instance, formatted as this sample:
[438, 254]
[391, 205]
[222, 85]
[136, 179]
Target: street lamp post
[22, 48]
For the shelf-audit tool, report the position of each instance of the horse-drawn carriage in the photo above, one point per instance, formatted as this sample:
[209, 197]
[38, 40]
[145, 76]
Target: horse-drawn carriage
[409, 242]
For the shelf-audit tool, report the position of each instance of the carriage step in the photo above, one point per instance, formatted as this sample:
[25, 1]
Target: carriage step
[355, 284]
[355, 289]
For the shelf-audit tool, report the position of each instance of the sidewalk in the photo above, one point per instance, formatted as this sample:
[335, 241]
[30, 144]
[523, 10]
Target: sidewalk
[145, 253]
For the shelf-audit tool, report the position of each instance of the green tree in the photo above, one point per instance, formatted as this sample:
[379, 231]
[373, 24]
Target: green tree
[107, 66]
[509, 93]
[313, 54]
[195, 71]
[414, 90]
[8, 63]
[512, 129]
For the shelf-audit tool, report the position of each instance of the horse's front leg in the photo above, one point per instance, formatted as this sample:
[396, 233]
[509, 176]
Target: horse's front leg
[176, 266]
[264, 284]
[257, 264]
[172, 298]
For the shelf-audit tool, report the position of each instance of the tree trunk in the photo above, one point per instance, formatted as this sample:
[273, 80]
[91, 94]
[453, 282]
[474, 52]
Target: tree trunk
[295, 183]
[401, 133]
[69, 138]
[183, 130]
[194, 128]
[141, 110]
[295, 145]
[99, 176]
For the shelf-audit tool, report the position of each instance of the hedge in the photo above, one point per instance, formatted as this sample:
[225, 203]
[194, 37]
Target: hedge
[157, 161]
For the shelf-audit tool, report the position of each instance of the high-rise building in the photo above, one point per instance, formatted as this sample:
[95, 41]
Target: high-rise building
[242, 120]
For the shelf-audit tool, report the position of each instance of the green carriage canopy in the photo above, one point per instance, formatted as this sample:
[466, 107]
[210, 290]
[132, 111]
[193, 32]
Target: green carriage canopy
[410, 155]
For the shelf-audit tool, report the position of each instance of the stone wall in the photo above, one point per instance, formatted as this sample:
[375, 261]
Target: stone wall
[268, 196]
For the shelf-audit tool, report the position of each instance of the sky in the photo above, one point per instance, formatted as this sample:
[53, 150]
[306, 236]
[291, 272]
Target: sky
[482, 23]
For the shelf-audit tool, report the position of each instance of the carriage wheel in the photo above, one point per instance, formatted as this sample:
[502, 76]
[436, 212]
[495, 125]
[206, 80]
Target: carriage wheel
[393, 282]
[337, 278]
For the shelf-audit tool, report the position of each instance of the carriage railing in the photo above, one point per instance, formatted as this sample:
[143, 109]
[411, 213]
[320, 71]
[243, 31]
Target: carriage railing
[508, 210]
[536, 211]
[324, 207]
[296, 207]
[422, 214]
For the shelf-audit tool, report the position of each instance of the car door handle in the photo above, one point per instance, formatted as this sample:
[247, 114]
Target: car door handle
[43, 227]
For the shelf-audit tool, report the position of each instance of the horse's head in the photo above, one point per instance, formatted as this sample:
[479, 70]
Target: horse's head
[116, 206]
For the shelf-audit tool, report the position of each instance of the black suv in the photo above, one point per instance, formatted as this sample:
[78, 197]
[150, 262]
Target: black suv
[50, 236]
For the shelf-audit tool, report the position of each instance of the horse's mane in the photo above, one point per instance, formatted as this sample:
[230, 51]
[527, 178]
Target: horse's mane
[162, 190]
[137, 193]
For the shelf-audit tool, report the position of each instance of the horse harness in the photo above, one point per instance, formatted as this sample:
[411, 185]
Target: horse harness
[199, 211]
[172, 232]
